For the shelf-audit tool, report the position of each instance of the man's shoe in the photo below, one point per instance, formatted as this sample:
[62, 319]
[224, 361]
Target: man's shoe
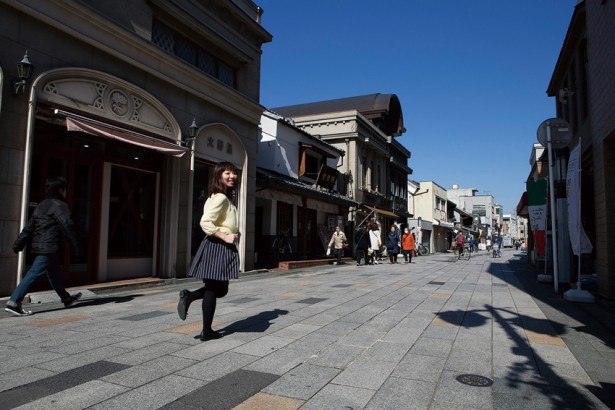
[184, 303]
[72, 299]
[17, 310]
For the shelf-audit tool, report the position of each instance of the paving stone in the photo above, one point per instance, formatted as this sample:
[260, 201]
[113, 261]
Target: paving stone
[44, 387]
[263, 345]
[302, 382]
[22, 377]
[296, 331]
[210, 348]
[428, 346]
[269, 401]
[469, 361]
[339, 327]
[14, 362]
[78, 397]
[418, 367]
[149, 371]
[280, 361]
[397, 393]
[336, 355]
[217, 366]
[334, 396]
[153, 395]
[365, 373]
[82, 359]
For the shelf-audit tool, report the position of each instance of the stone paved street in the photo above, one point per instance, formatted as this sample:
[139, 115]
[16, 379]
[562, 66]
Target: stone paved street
[439, 333]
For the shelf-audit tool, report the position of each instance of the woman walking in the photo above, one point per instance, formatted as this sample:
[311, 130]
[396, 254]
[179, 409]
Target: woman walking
[217, 260]
[374, 240]
[407, 245]
[393, 242]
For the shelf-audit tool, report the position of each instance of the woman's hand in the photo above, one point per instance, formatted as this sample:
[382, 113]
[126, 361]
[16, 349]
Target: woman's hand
[229, 238]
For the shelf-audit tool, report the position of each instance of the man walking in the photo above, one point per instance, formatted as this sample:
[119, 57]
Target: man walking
[338, 242]
[50, 222]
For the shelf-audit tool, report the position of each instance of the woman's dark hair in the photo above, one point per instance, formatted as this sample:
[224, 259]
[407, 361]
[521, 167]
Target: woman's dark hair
[54, 184]
[215, 184]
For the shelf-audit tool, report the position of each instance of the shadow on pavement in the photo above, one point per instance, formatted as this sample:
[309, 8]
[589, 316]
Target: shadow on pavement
[257, 323]
[530, 370]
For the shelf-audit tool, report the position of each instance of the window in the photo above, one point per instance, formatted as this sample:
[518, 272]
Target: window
[190, 52]
[479, 210]
[309, 162]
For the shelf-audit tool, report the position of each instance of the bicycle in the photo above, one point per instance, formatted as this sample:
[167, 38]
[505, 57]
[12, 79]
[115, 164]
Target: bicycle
[467, 251]
[422, 250]
[281, 248]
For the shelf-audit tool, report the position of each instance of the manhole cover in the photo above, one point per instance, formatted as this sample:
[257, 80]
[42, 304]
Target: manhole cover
[474, 380]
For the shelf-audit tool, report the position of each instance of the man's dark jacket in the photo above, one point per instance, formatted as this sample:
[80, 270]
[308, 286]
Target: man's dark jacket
[50, 221]
[362, 239]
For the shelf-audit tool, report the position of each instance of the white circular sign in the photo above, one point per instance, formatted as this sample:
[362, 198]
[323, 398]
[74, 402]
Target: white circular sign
[561, 134]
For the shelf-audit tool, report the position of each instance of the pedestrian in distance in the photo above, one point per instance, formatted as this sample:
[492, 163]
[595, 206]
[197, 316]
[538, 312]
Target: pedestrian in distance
[374, 242]
[338, 242]
[361, 244]
[217, 261]
[393, 244]
[50, 223]
[459, 242]
[407, 245]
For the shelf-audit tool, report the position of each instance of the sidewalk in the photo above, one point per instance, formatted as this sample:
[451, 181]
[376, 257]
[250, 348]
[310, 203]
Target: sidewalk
[438, 333]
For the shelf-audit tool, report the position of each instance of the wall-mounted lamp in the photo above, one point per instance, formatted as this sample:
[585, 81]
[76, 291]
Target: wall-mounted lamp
[24, 72]
[192, 132]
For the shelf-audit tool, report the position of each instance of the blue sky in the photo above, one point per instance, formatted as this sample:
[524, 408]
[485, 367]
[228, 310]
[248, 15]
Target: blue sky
[471, 76]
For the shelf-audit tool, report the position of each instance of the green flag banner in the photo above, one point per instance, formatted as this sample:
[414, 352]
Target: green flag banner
[537, 210]
[537, 204]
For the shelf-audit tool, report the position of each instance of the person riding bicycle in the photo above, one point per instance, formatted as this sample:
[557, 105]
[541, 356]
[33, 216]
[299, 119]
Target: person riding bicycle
[496, 244]
[459, 241]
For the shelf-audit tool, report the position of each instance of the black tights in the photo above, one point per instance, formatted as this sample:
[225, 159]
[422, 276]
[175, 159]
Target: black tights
[212, 290]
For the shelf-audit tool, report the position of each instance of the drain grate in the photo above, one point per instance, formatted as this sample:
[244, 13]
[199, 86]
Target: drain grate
[474, 380]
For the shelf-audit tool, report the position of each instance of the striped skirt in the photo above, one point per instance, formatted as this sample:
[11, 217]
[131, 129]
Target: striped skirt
[215, 260]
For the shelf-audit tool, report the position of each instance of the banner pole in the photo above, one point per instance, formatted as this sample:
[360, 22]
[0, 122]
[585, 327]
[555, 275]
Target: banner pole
[579, 295]
[552, 200]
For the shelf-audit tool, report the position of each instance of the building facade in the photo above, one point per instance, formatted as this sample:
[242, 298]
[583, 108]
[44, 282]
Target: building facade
[375, 164]
[435, 223]
[583, 85]
[300, 193]
[115, 90]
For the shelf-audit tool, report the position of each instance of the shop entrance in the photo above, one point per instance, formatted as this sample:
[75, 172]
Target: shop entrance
[113, 195]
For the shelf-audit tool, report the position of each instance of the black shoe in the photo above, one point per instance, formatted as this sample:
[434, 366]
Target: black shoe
[17, 310]
[184, 303]
[68, 302]
[209, 335]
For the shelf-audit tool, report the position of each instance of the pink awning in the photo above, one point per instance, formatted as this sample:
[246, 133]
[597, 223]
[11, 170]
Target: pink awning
[119, 134]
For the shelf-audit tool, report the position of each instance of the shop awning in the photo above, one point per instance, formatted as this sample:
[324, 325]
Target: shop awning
[101, 129]
[269, 180]
[443, 224]
[522, 205]
[380, 211]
